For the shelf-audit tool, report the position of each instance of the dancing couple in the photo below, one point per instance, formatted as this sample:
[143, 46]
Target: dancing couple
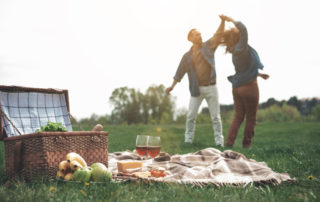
[199, 64]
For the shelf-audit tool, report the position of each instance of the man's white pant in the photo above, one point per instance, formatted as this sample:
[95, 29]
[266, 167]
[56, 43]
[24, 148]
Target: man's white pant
[210, 94]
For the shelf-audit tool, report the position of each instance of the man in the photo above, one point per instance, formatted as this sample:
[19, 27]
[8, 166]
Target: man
[199, 63]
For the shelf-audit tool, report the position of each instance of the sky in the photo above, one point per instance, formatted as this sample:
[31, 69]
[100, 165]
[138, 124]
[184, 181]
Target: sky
[93, 47]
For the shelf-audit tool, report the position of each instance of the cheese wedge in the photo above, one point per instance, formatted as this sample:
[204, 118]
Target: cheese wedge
[124, 166]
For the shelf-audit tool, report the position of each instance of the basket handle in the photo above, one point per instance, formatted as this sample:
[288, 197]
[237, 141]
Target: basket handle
[17, 157]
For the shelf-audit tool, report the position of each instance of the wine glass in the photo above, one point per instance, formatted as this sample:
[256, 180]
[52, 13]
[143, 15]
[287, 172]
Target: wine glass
[141, 145]
[154, 145]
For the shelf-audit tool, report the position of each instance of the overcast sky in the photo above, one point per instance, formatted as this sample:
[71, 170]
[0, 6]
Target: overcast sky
[92, 47]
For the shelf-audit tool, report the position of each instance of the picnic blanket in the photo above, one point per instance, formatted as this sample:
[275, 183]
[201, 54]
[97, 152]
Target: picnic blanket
[28, 111]
[207, 166]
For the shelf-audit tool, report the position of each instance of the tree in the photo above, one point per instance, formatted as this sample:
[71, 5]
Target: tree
[127, 105]
[145, 108]
[293, 101]
[159, 102]
[270, 102]
[132, 106]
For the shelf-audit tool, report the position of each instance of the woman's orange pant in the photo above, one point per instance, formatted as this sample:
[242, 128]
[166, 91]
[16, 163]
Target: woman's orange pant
[246, 102]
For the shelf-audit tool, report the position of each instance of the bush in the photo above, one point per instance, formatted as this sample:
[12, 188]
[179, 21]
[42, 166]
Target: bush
[227, 116]
[181, 116]
[166, 118]
[278, 113]
[203, 118]
[315, 113]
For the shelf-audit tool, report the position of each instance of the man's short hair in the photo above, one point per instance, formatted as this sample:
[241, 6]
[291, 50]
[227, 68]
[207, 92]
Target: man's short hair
[190, 33]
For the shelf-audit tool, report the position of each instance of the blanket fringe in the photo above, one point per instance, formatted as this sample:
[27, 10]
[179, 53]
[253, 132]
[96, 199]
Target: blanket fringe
[263, 183]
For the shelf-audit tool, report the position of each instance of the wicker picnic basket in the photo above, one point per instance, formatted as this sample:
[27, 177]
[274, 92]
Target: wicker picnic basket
[32, 155]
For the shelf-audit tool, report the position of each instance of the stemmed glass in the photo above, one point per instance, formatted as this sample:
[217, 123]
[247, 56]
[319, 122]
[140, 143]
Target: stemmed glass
[142, 145]
[154, 145]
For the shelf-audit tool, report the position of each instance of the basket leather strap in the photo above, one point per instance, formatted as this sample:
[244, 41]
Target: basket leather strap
[11, 123]
[17, 157]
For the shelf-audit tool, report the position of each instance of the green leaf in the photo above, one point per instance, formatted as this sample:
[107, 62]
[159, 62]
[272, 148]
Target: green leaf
[52, 127]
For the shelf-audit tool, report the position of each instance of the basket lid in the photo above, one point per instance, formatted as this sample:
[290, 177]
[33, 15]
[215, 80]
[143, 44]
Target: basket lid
[27, 109]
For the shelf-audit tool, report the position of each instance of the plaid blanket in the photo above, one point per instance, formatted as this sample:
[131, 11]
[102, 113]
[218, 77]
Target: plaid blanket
[207, 166]
[28, 111]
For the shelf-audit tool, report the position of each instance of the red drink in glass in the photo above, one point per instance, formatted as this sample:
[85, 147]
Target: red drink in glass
[142, 151]
[153, 151]
[141, 145]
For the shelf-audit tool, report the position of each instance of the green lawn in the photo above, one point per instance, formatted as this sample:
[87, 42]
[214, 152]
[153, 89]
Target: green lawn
[293, 148]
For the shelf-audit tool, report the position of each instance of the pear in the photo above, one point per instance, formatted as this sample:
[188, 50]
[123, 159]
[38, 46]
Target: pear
[100, 173]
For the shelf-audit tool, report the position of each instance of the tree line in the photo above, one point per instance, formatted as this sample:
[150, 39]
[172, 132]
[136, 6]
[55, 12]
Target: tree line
[154, 106]
[132, 106]
[304, 106]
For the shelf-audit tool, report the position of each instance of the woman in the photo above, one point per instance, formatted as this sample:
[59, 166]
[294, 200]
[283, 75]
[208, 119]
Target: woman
[244, 83]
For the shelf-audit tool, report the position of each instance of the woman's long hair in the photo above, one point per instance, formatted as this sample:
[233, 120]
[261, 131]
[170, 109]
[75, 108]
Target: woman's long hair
[230, 38]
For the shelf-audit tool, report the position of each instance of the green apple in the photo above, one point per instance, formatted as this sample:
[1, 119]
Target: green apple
[100, 173]
[83, 174]
[98, 165]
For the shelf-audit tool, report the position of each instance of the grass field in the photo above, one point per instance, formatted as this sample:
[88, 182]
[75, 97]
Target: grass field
[293, 148]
